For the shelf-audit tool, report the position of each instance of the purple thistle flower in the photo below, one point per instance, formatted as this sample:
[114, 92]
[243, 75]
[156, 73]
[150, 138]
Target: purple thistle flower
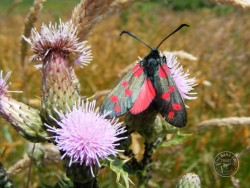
[85, 136]
[181, 78]
[59, 38]
[3, 83]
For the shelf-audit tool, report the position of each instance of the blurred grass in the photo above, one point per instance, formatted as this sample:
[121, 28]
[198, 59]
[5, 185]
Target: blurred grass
[52, 7]
[220, 39]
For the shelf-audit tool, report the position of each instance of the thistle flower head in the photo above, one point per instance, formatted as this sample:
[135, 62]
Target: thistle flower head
[25, 119]
[85, 136]
[181, 78]
[3, 83]
[189, 180]
[59, 38]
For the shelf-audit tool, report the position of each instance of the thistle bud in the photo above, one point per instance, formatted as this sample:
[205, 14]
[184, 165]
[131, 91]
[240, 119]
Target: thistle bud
[26, 120]
[60, 86]
[56, 46]
[189, 180]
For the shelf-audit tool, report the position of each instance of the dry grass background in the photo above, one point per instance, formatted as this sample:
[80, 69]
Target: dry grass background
[219, 39]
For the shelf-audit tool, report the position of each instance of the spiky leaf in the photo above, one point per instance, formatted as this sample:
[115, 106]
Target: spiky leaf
[117, 166]
[177, 139]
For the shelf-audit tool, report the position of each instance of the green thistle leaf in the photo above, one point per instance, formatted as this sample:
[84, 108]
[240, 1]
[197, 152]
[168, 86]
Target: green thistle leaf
[117, 166]
[177, 139]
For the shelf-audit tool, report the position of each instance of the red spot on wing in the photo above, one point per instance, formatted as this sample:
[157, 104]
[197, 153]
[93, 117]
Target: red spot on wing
[128, 92]
[125, 83]
[135, 67]
[145, 97]
[138, 73]
[162, 73]
[165, 67]
[171, 115]
[171, 89]
[114, 99]
[177, 106]
[165, 96]
[117, 109]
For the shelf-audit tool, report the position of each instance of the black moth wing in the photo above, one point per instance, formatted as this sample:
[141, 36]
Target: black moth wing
[168, 99]
[123, 96]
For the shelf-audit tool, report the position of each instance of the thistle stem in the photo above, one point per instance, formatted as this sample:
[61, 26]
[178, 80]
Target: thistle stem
[90, 184]
[5, 181]
[146, 163]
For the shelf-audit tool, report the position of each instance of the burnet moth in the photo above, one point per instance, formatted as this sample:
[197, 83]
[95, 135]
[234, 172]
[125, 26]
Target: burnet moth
[148, 83]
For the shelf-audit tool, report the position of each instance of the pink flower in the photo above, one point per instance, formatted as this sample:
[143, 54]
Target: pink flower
[59, 38]
[184, 84]
[3, 83]
[85, 136]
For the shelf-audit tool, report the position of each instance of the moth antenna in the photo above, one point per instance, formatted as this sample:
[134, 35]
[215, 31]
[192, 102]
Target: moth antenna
[181, 26]
[130, 34]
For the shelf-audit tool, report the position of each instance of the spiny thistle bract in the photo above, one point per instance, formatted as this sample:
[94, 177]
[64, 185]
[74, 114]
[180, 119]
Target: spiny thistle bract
[189, 180]
[26, 120]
